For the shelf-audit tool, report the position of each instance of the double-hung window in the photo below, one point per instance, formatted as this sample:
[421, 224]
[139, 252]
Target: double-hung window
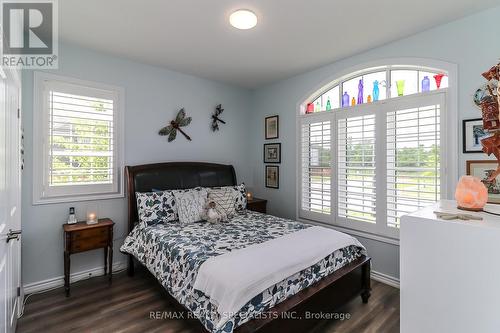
[365, 164]
[78, 140]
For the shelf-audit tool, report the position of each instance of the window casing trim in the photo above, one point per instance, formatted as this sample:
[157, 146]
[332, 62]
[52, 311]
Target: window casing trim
[449, 126]
[40, 145]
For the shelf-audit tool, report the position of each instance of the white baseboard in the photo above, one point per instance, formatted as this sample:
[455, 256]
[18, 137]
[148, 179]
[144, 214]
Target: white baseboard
[385, 279]
[99, 271]
[59, 280]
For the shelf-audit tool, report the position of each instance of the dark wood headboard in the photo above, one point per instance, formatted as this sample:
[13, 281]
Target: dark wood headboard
[173, 176]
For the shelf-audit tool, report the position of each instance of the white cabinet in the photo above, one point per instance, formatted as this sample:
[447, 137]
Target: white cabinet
[450, 272]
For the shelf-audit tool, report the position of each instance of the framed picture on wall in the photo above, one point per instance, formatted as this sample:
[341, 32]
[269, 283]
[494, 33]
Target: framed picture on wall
[473, 133]
[482, 170]
[272, 176]
[272, 127]
[272, 153]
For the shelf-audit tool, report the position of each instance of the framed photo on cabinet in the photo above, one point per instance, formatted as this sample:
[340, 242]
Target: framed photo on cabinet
[483, 169]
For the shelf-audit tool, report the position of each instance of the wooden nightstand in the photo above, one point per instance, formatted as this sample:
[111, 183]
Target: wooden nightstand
[257, 205]
[80, 237]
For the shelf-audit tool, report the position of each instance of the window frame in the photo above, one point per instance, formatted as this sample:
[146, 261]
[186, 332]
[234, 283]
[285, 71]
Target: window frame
[449, 139]
[71, 193]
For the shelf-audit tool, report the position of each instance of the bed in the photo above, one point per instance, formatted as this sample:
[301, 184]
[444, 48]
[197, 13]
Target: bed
[175, 254]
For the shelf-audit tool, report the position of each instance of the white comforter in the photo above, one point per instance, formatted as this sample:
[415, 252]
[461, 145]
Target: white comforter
[234, 278]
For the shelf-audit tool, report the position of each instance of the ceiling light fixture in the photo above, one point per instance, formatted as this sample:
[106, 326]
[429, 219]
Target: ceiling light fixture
[243, 19]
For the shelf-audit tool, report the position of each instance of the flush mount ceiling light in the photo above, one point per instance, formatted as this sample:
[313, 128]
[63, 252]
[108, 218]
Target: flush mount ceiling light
[243, 19]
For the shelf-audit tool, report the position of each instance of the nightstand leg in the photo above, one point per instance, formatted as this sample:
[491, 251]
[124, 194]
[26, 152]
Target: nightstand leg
[110, 262]
[66, 272]
[105, 260]
[110, 244]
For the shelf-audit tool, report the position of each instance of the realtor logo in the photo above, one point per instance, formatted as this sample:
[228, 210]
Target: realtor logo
[29, 31]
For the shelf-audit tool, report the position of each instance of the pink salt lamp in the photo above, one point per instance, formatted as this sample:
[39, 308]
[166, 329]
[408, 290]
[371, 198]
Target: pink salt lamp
[471, 194]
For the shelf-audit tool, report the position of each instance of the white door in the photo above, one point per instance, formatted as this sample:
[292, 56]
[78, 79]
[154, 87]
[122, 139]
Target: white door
[10, 200]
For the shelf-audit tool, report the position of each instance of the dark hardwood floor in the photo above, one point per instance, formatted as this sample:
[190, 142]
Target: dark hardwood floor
[125, 306]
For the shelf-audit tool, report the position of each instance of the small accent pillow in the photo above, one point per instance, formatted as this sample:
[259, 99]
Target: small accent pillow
[150, 208]
[224, 199]
[190, 205]
[241, 197]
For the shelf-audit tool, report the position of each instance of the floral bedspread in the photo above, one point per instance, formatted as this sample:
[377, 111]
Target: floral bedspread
[174, 253]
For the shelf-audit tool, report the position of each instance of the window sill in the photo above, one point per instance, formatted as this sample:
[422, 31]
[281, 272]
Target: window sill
[46, 201]
[354, 232]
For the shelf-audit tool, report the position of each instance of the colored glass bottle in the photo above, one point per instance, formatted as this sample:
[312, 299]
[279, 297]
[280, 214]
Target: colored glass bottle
[317, 108]
[426, 84]
[310, 108]
[400, 85]
[328, 104]
[353, 101]
[345, 99]
[360, 92]
[438, 78]
[369, 99]
[376, 90]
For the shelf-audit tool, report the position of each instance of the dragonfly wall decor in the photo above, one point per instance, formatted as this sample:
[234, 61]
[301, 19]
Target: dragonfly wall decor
[175, 125]
[216, 119]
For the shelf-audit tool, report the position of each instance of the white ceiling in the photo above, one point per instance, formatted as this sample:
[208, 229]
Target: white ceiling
[292, 36]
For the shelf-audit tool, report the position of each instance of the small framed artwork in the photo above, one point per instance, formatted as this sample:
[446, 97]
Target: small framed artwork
[272, 127]
[272, 153]
[473, 133]
[482, 170]
[272, 176]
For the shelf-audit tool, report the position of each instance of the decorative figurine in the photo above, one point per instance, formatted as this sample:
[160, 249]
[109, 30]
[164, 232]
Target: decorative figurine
[345, 99]
[360, 92]
[438, 78]
[426, 84]
[175, 125]
[491, 122]
[328, 105]
[376, 90]
[216, 119]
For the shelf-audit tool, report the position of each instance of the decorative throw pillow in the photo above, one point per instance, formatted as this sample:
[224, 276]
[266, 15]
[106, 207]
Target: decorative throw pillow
[150, 208]
[190, 205]
[241, 197]
[224, 199]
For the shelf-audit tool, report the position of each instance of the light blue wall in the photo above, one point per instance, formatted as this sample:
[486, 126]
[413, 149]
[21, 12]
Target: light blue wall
[471, 43]
[152, 97]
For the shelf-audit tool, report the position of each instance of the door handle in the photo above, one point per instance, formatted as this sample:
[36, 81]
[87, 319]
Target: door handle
[13, 234]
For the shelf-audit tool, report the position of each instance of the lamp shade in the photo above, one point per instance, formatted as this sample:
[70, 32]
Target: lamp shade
[471, 194]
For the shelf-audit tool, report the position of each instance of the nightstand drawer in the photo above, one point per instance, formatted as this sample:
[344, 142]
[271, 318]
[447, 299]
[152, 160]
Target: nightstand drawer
[88, 244]
[97, 233]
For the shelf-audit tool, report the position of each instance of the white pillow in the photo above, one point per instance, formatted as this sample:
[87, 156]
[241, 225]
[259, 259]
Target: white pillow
[224, 199]
[190, 205]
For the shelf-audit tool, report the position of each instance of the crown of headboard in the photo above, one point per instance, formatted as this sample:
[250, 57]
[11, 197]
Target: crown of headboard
[173, 176]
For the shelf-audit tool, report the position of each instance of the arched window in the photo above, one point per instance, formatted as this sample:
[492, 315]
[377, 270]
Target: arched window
[372, 147]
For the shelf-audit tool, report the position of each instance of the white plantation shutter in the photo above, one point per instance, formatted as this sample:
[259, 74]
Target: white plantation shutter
[81, 140]
[316, 170]
[413, 157]
[356, 190]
